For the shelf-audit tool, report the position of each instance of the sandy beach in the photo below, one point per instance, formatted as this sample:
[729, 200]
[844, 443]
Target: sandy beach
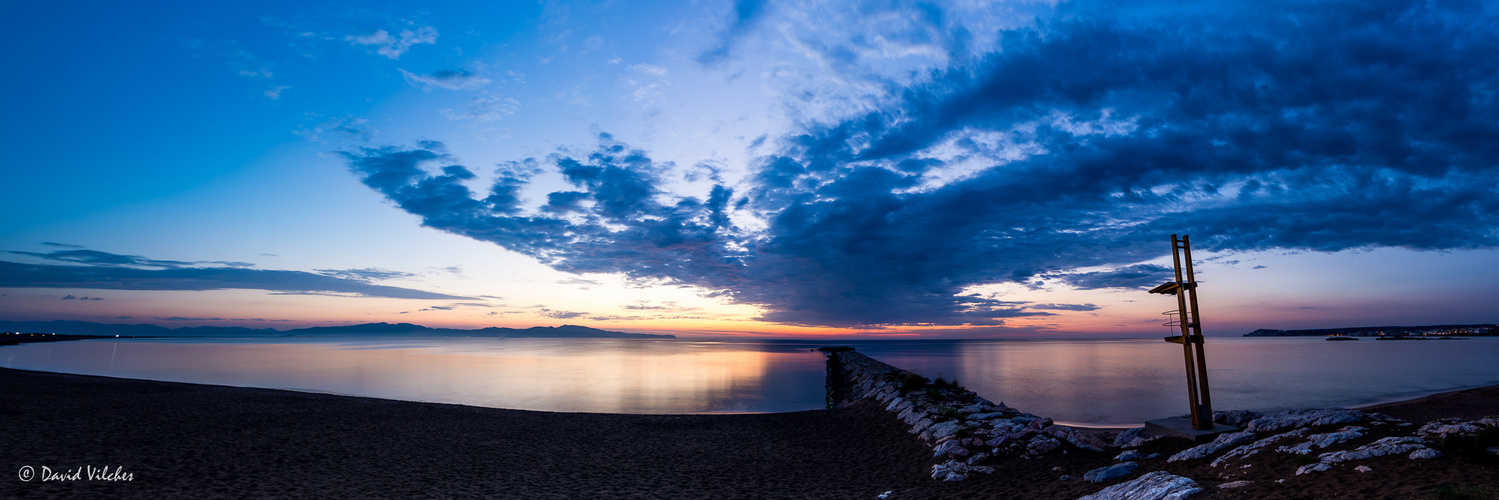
[187, 440]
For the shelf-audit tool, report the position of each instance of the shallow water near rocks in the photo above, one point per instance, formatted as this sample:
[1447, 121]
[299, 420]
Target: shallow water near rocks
[1091, 382]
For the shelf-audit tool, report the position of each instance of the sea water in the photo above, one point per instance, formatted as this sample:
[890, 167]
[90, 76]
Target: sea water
[1091, 382]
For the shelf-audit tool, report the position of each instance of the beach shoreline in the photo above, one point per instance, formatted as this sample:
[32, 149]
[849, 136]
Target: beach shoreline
[1490, 391]
[1416, 397]
[1470, 403]
[192, 440]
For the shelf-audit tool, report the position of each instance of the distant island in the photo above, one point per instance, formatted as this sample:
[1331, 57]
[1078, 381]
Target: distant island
[367, 329]
[1384, 331]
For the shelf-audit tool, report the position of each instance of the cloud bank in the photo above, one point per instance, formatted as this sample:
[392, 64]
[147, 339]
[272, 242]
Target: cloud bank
[1082, 142]
[92, 269]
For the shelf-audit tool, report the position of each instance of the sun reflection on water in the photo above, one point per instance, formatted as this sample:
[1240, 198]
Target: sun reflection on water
[617, 376]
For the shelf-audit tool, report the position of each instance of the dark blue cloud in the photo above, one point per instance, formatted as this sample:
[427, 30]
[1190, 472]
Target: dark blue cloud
[98, 258]
[95, 257]
[618, 223]
[1271, 126]
[1136, 276]
[101, 277]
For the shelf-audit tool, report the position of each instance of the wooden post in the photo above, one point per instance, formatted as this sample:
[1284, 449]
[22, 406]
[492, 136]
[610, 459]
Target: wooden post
[1205, 401]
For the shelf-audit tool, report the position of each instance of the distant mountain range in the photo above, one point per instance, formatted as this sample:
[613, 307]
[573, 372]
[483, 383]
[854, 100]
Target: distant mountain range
[1376, 331]
[367, 329]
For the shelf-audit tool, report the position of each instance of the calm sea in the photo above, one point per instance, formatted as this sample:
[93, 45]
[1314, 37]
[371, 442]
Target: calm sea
[1096, 382]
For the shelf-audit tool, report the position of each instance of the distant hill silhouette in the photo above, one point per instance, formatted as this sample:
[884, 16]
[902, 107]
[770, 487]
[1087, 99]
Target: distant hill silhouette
[1373, 331]
[367, 329]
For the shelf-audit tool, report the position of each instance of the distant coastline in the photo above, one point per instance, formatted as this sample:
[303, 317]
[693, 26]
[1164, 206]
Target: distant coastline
[367, 329]
[1481, 330]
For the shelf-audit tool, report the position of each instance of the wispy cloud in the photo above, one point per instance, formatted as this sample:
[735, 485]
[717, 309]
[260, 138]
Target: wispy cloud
[562, 314]
[244, 63]
[393, 46]
[274, 93]
[453, 271]
[450, 79]
[649, 69]
[1066, 307]
[365, 275]
[647, 306]
[485, 108]
[338, 128]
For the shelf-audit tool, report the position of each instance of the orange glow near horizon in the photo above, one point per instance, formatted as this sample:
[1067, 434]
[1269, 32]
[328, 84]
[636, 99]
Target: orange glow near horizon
[1235, 299]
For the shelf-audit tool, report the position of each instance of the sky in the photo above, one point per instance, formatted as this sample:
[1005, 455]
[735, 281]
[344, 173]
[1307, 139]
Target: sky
[751, 168]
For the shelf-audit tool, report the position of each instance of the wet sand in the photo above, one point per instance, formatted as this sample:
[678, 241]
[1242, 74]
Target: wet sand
[1467, 404]
[187, 440]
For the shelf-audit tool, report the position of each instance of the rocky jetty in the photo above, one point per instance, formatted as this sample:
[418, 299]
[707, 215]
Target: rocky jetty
[963, 429]
[970, 435]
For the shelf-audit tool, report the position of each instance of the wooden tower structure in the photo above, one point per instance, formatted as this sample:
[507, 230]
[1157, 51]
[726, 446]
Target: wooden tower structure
[1186, 318]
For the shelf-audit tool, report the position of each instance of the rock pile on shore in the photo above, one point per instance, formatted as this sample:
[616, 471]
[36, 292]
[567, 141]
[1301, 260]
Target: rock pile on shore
[1292, 432]
[963, 429]
[1328, 437]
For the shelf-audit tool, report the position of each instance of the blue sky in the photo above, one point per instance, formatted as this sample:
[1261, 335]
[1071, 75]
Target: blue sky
[751, 167]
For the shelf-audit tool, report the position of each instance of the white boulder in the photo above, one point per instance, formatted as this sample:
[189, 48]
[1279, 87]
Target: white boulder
[1395, 445]
[1158, 485]
[1110, 473]
[1132, 438]
[951, 449]
[1251, 449]
[1305, 417]
[1320, 441]
[953, 470]
[1224, 441]
[1425, 454]
[1041, 445]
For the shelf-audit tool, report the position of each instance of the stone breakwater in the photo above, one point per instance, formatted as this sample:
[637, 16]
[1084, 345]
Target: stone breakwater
[964, 430]
[969, 435]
